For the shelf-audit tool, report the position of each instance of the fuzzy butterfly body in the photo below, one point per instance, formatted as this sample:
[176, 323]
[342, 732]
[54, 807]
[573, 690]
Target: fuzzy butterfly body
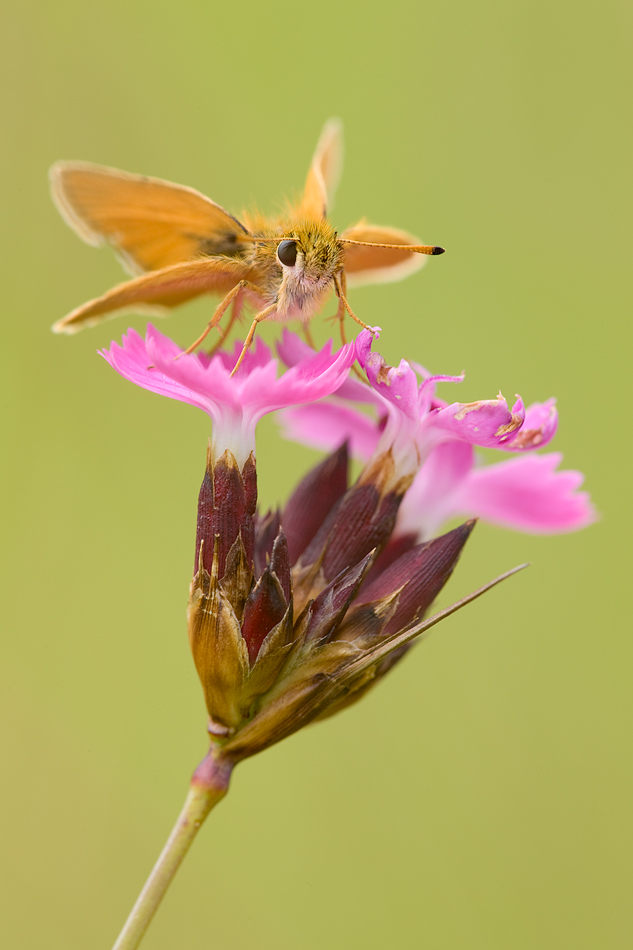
[180, 244]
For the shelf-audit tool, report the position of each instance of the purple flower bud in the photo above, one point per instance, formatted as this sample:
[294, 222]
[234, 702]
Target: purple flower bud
[398, 545]
[266, 530]
[280, 564]
[226, 506]
[323, 615]
[264, 609]
[419, 575]
[313, 499]
[359, 523]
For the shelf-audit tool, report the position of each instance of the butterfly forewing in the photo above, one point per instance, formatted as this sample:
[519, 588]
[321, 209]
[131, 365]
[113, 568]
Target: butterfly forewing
[325, 171]
[151, 223]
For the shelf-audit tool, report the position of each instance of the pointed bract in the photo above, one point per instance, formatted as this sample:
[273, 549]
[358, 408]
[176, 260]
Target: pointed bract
[264, 609]
[313, 499]
[419, 576]
[266, 530]
[323, 615]
[361, 521]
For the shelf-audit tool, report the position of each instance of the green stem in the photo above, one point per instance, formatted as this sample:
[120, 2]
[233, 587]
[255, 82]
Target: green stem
[208, 786]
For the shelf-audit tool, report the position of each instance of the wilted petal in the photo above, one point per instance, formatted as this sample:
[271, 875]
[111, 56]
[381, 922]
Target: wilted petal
[539, 428]
[397, 385]
[487, 422]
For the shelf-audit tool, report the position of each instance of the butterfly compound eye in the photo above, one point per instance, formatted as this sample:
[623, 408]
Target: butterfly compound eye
[287, 253]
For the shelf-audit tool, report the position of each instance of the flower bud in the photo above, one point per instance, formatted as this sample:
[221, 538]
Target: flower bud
[362, 520]
[226, 506]
[313, 499]
[278, 645]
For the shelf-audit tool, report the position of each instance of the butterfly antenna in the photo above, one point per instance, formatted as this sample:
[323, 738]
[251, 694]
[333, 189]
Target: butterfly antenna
[432, 249]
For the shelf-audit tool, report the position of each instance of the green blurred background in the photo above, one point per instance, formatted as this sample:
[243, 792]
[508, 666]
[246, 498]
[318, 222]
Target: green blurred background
[480, 797]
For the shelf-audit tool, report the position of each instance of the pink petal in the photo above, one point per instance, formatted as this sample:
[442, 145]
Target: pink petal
[207, 383]
[427, 398]
[429, 501]
[132, 361]
[258, 355]
[527, 494]
[326, 425]
[235, 403]
[211, 378]
[292, 349]
[398, 385]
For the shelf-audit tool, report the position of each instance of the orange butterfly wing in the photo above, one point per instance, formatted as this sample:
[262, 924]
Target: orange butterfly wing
[325, 171]
[157, 290]
[149, 222]
[379, 265]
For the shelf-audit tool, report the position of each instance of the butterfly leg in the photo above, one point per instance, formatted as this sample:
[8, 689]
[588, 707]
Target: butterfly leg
[342, 300]
[343, 306]
[340, 287]
[251, 333]
[340, 316]
[308, 335]
[220, 310]
[236, 313]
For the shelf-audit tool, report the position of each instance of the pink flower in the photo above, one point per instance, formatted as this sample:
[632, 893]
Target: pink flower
[525, 493]
[235, 403]
[435, 440]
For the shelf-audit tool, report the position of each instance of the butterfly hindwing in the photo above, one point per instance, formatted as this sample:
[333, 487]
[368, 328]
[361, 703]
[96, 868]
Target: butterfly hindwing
[379, 265]
[158, 290]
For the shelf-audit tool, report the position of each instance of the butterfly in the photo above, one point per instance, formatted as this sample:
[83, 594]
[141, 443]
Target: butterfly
[180, 244]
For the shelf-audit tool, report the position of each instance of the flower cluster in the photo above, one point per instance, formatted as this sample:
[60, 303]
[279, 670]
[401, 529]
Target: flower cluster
[296, 613]
[525, 493]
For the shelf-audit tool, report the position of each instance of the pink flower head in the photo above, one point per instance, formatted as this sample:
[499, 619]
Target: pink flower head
[437, 441]
[525, 493]
[408, 405]
[235, 403]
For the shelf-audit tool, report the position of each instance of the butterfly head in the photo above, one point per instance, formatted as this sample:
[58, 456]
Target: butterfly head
[310, 255]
